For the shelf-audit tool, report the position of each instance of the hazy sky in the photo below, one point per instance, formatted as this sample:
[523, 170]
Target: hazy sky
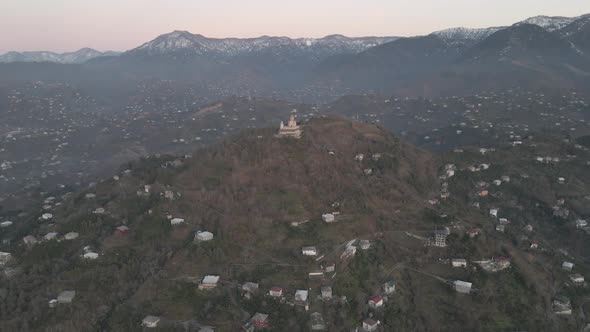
[66, 25]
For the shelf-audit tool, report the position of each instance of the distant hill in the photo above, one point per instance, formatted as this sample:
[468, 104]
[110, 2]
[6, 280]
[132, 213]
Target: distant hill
[79, 56]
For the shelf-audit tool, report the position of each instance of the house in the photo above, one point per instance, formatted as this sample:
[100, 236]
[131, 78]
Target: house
[330, 267]
[581, 223]
[203, 236]
[568, 266]
[502, 262]
[528, 228]
[66, 297]
[122, 230]
[534, 244]
[5, 257]
[46, 216]
[316, 274]
[459, 262]
[359, 157]
[176, 221]
[462, 286]
[503, 221]
[562, 306]
[71, 236]
[505, 178]
[440, 237]
[53, 303]
[309, 251]
[317, 322]
[389, 287]
[275, 292]
[500, 228]
[260, 320]
[29, 240]
[375, 302]
[370, 325]
[249, 289]
[5, 224]
[494, 213]
[326, 292]
[497, 182]
[90, 255]
[577, 279]
[348, 252]
[484, 193]
[209, 282]
[473, 232]
[365, 244]
[50, 236]
[561, 180]
[150, 321]
[301, 296]
[99, 211]
[328, 218]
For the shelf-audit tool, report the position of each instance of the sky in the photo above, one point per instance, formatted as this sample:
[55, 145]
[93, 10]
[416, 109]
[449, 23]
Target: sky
[68, 25]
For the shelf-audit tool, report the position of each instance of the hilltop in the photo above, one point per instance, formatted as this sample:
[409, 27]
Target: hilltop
[263, 198]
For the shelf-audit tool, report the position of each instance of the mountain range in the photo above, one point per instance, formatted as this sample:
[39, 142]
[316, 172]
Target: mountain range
[541, 52]
[79, 56]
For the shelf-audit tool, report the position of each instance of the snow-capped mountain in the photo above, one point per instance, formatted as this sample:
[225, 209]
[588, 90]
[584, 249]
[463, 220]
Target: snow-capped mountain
[464, 36]
[79, 56]
[186, 43]
[549, 23]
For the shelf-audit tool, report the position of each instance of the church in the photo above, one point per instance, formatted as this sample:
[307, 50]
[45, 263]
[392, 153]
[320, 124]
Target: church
[289, 130]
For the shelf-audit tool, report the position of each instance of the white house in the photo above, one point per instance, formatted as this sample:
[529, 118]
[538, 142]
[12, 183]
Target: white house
[4, 257]
[568, 266]
[66, 296]
[301, 295]
[309, 251]
[50, 236]
[275, 292]
[150, 321]
[494, 212]
[370, 325]
[326, 292]
[375, 302]
[330, 267]
[29, 240]
[5, 224]
[462, 286]
[46, 216]
[176, 221]
[71, 236]
[459, 262]
[203, 236]
[577, 279]
[389, 287]
[365, 244]
[90, 255]
[581, 223]
[328, 217]
[209, 282]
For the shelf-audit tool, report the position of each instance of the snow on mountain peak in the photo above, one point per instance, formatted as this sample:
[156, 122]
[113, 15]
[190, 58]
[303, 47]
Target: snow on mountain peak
[183, 41]
[462, 35]
[549, 23]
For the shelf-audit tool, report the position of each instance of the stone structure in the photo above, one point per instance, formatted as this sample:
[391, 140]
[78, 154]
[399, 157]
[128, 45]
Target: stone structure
[291, 129]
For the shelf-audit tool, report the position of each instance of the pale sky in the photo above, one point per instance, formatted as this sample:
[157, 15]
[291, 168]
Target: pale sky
[68, 25]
